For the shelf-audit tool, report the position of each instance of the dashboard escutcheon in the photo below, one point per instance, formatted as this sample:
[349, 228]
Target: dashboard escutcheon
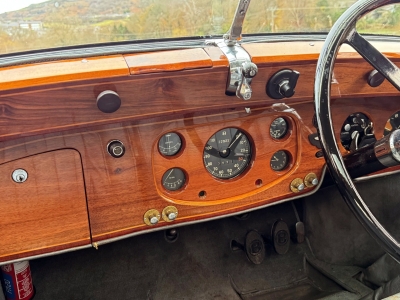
[227, 153]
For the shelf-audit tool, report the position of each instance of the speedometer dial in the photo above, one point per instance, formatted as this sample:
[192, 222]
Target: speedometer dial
[227, 153]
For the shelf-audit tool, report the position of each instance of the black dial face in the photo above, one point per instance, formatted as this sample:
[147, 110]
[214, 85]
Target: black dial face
[280, 160]
[279, 128]
[227, 153]
[169, 144]
[173, 179]
[357, 131]
[392, 124]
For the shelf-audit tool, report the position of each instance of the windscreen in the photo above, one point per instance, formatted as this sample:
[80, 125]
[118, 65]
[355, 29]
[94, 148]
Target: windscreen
[40, 24]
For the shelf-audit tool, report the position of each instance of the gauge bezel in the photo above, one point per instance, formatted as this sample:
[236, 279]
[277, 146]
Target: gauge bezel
[287, 133]
[249, 165]
[177, 154]
[289, 163]
[182, 188]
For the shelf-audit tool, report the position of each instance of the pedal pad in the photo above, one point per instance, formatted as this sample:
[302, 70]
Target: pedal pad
[255, 247]
[280, 237]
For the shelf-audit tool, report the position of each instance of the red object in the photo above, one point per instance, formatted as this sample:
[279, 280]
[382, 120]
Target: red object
[17, 281]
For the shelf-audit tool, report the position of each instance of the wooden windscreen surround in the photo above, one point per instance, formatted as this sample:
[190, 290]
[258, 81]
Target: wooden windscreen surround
[48, 115]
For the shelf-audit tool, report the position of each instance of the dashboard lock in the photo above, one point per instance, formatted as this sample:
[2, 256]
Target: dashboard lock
[19, 175]
[282, 84]
[151, 217]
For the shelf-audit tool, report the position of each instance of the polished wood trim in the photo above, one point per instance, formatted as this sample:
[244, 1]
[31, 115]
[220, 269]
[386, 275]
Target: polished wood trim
[48, 211]
[36, 75]
[286, 52]
[192, 102]
[217, 56]
[190, 91]
[161, 61]
[191, 161]
[120, 191]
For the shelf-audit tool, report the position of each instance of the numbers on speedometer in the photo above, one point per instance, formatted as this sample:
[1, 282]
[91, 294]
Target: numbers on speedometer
[227, 153]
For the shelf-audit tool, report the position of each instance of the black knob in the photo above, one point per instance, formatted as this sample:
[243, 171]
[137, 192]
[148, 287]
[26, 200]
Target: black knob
[108, 101]
[282, 84]
[285, 89]
[375, 78]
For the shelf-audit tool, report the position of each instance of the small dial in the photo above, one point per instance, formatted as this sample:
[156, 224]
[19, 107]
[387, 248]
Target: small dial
[392, 124]
[170, 144]
[227, 153]
[280, 160]
[173, 179]
[279, 128]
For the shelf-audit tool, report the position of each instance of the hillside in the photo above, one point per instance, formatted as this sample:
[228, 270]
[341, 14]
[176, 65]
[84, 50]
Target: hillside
[85, 9]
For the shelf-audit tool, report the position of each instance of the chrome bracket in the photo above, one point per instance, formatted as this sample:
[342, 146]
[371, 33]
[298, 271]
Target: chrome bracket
[241, 69]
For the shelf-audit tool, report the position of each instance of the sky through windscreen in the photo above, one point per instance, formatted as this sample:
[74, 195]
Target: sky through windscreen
[11, 5]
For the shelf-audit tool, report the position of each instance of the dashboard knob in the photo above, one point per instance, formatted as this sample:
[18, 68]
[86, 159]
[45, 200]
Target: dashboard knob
[108, 101]
[116, 148]
[151, 217]
[170, 213]
[375, 78]
[282, 84]
[311, 180]
[297, 185]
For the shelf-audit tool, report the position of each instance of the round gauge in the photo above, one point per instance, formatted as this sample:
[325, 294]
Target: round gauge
[173, 179]
[280, 160]
[392, 124]
[357, 131]
[170, 144]
[278, 128]
[227, 153]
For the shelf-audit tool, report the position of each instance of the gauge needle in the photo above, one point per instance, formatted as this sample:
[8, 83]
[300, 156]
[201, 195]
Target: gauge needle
[275, 159]
[237, 137]
[168, 176]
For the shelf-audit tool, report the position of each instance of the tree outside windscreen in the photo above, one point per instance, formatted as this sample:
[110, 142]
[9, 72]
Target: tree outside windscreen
[58, 23]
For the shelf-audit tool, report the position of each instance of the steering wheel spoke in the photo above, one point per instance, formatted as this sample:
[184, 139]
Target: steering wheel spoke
[375, 58]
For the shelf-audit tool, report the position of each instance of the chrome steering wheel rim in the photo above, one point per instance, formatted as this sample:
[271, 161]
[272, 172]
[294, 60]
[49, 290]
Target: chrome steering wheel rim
[344, 31]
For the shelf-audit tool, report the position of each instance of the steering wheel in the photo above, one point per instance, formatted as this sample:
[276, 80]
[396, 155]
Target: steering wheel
[344, 31]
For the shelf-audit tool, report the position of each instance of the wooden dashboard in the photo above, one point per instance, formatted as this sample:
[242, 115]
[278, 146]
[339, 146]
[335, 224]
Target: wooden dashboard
[76, 194]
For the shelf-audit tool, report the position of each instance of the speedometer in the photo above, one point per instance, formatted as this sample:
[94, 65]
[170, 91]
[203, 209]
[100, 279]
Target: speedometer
[227, 153]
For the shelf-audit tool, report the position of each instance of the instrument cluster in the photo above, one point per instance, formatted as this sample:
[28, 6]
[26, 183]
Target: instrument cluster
[226, 155]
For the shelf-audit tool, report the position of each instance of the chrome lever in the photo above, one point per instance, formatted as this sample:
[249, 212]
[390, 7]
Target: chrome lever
[234, 33]
[248, 70]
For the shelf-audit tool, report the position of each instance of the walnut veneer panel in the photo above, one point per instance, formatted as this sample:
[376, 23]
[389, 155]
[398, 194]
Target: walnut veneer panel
[55, 109]
[285, 52]
[176, 60]
[47, 212]
[62, 71]
[120, 191]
